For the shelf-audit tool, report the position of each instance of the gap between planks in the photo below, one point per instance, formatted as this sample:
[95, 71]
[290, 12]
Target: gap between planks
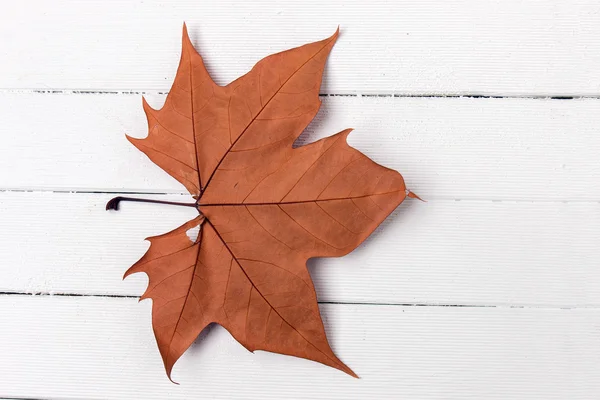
[361, 95]
[340, 303]
[24, 398]
[184, 194]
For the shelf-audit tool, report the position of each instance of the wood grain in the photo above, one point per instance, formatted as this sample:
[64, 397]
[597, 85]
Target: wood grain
[458, 148]
[440, 252]
[491, 290]
[102, 348]
[510, 47]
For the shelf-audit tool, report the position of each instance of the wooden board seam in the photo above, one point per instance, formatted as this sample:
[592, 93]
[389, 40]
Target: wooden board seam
[186, 195]
[447, 95]
[340, 303]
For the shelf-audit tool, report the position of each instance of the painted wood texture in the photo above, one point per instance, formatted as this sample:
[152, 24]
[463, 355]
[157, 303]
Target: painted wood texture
[410, 46]
[467, 148]
[102, 348]
[440, 252]
[490, 290]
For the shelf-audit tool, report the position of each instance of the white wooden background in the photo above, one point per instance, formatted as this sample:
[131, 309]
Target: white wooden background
[489, 108]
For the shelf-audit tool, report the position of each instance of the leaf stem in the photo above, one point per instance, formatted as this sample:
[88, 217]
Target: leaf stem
[113, 204]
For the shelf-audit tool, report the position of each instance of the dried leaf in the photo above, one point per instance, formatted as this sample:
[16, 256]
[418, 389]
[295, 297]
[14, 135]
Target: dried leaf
[264, 207]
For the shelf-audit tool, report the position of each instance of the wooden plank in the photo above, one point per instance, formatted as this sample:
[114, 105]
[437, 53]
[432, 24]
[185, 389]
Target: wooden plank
[461, 148]
[510, 47]
[440, 252]
[101, 348]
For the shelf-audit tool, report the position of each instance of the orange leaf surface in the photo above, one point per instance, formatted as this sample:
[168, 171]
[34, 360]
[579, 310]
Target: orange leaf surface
[264, 207]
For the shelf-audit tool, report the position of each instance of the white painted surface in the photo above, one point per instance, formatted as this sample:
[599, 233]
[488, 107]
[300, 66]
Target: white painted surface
[102, 348]
[440, 252]
[510, 231]
[548, 47]
[466, 148]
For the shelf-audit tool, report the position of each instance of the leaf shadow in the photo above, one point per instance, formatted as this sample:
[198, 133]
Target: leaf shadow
[197, 344]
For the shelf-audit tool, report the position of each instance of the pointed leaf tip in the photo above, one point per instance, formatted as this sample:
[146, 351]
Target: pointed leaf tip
[126, 274]
[169, 370]
[187, 46]
[414, 196]
[131, 140]
[335, 34]
[345, 133]
[172, 381]
[185, 37]
[348, 371]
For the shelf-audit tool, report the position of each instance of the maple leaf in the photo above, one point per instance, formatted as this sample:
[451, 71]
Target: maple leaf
[264, 207]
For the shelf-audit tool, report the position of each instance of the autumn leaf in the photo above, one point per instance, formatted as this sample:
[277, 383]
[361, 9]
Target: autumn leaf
[264, 207]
